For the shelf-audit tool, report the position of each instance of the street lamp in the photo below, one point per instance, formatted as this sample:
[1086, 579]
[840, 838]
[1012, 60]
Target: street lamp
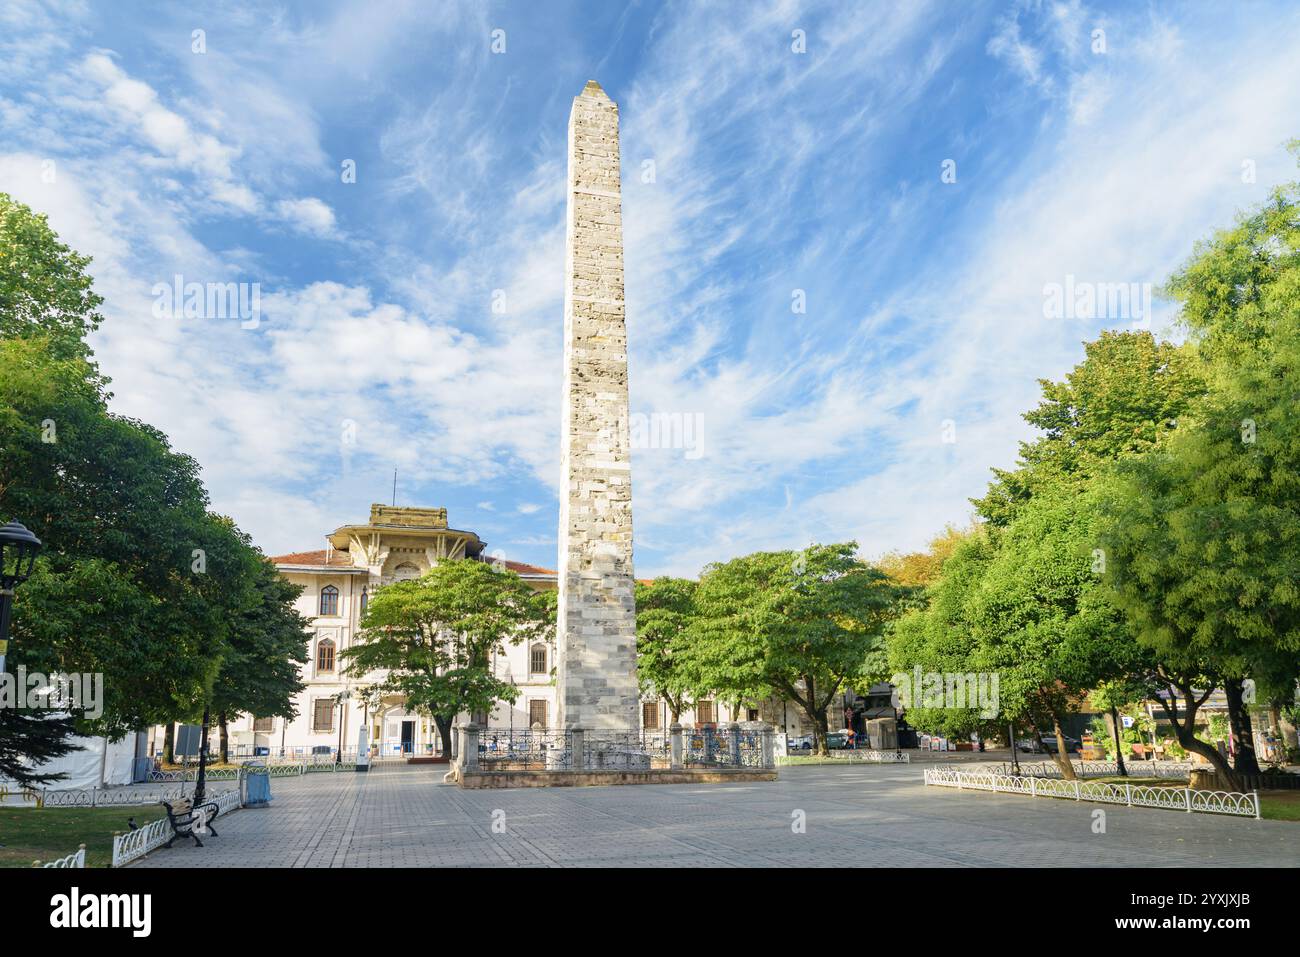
[343, 697]
[18, 548]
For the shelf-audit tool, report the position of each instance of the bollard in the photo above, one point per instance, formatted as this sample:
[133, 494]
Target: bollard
[469, 746]
[675, 746]
[578, 757]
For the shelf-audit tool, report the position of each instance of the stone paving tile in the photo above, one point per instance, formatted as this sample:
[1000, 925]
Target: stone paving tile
[406, 817]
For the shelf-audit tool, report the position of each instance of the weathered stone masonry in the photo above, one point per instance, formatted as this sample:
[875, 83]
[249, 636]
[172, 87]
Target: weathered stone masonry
[596, 641]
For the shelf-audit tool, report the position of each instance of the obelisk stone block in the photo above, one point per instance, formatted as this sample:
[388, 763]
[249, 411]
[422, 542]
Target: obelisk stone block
[596, 639]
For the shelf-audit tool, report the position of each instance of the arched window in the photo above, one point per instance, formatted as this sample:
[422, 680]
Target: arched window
[324, 655]
[365, 599]
[537, 660]
[329, 600]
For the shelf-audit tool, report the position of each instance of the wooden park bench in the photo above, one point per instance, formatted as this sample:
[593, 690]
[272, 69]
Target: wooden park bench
[185, 817]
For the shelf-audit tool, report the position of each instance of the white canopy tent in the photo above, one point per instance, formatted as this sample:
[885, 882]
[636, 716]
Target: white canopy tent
[95, 762]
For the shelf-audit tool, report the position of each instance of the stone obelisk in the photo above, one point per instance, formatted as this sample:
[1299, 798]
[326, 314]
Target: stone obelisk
[596, 633]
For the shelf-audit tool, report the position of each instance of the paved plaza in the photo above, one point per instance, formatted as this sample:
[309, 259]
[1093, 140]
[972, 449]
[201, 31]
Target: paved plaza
[875, 816]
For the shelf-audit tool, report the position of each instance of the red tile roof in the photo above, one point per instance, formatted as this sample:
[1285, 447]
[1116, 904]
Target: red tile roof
[525, 569]
[342, 559]
[336, 558]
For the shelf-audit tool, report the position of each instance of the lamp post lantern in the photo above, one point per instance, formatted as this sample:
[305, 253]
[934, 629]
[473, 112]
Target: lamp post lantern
[18, 548]
[343, 697]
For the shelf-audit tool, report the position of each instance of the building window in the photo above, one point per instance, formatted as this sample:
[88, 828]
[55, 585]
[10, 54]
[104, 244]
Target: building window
[537, 660]
[704, 712]
[264, 725]
[324, 655]
[329, 600]
[537, 712]
[650, 715]
[322, 714]
[751, 714]
[365, 599]
[406, 572]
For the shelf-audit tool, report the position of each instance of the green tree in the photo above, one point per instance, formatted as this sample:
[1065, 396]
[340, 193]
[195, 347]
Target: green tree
[936, 637]
[260, 672]
[435, 636]
[802, 624]
[29, 739]
[1122, 399]
[665, 609]
[137, 580]
[45, 290]
[1205, 531]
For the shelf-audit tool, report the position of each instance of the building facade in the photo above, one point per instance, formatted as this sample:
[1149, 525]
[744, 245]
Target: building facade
[398, 543]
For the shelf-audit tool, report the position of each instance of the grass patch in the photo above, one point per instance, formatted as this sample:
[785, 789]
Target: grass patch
[46, 834]
[792, 760]
[1273, 805]
[1279, 805]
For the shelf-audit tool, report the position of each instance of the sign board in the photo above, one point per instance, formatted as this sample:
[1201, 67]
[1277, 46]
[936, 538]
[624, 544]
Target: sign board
[1126, 721]
[188, 739]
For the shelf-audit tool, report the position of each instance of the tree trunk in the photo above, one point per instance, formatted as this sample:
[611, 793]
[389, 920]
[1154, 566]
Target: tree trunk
[1113, 719]
[169, 743]
[1185, 731]
[1060, 755]
[225, 738]
[444, 734]
[1243, 736]
[821, 728]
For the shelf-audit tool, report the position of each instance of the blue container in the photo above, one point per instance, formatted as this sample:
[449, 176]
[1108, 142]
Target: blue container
[257, 785]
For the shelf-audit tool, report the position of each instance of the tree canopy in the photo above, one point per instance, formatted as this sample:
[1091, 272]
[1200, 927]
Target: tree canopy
[137, 579]
[805, 624]
[433, 638]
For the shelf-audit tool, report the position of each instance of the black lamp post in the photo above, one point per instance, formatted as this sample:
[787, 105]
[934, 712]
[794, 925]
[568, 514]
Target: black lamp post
[344, 696]
[18, 548]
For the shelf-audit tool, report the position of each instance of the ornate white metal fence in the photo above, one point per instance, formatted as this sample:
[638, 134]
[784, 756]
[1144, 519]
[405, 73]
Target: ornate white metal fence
[866, 756]
[1143, 769]
[277, 769]
[1169, 798]
[112, 797]
[136, 844]
[76, 859]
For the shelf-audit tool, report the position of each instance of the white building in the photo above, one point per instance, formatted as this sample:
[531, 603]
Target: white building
[396, 544]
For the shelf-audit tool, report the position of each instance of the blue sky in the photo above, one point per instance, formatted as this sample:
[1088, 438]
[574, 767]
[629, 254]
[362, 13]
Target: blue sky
[872, 415]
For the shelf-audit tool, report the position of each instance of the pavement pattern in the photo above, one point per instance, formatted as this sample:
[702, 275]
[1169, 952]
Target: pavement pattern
[868, 816]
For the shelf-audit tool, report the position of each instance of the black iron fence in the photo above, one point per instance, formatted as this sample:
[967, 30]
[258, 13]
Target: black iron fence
[725, 747]
[502, 749]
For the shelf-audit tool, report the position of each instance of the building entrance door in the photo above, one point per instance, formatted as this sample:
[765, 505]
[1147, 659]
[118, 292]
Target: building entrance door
[408, 737]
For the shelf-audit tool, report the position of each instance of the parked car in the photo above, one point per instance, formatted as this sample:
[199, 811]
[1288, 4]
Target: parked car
[839, 740]
[1049, 741]
[803, 742]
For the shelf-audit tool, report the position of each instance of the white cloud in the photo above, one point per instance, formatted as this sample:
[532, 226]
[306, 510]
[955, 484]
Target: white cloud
[308, 215]
[169, 133]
